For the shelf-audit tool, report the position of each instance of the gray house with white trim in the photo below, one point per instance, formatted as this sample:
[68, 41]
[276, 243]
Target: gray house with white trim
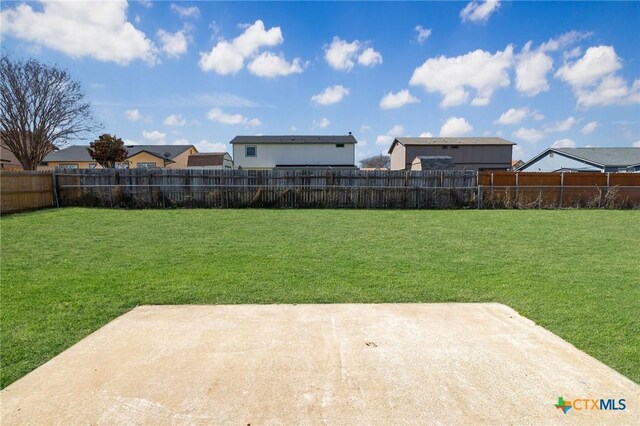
[584, 160]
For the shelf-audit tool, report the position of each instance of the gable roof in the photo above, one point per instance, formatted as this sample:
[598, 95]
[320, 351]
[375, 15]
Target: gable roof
[294, 139]
[450, 141]
[80, 153]
[8, 159]
[601, 157]
[207, 159]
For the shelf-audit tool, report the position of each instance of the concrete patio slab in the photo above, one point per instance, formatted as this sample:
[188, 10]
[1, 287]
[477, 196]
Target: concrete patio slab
[319, 364]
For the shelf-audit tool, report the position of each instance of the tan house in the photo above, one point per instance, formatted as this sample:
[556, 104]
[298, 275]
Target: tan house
[210, 160]
[147, 156]
[469, 153]
[8, 161]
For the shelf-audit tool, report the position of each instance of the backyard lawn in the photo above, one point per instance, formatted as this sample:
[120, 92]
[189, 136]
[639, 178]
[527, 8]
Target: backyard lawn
[67, 272]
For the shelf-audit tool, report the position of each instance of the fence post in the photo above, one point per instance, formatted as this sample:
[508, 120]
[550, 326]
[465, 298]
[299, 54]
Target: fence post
[479, 196]
[516, 203]
[561, 187]
[607, 194]
[54, 187]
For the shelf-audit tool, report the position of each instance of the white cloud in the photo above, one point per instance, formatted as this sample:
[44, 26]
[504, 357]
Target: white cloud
[477, 11]
[98, 30]
[594, 81]
[455, 126]
[341, 55]
[596, 63]
[636, 144]
[270, 65]
[529, 135]
[532, 65]
[154, 136]
[370, 57]
[227, 57]
[206, 146]
[423, 33]
[561, 126]
[478, 70]
[589, 127]
[563, 143]
[216, 114]
[173, 44]
[611, 90]
[185, 12]
[531, 71]
[396, 100]
[323, 124]
[146, 3]
[513, 116]
[133, 115]
[365, 128]
[564, 40]
[330, 95]
[174, 120]
[426, 135]
[393, 133]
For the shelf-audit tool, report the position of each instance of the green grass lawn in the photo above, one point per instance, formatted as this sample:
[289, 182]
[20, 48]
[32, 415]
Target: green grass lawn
[65, 273]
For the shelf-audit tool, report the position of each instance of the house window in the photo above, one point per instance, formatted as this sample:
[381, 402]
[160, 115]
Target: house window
[68, 166]
[339, 145]
[251, 151]
[455, 147]
[444, 147]
[146, 165]
[92, 165]
[123, 165]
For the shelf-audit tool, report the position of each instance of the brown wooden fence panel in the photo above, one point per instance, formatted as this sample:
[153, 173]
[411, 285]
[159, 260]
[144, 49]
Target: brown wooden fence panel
[22, 191]
[557, 190]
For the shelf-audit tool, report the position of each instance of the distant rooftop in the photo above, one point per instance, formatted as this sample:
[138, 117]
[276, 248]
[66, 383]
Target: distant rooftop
[450, 141]
[206, 159]
[294, 139]
[604, 156]
[80, 153]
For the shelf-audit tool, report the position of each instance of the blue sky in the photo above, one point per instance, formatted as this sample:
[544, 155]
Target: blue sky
[535, 73]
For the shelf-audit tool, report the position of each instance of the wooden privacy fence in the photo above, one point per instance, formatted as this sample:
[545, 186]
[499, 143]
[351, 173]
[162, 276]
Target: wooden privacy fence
[20, 191]
[558, 190]
[166, 188]
[162, 188]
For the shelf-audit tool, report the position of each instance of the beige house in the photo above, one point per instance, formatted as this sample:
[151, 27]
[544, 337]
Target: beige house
[294, 152]
[147, 156]
[472, 153]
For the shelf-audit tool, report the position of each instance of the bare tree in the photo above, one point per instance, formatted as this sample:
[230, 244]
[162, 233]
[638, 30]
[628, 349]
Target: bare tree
[41, 108]
[376, 162]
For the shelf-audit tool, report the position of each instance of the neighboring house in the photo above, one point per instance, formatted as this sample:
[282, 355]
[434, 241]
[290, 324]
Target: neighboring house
[516, 163]
[8, 161]
[210, 160]
[442, 162]
[147, 156]
[584, 160]
[294, 152]
[467, 153]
